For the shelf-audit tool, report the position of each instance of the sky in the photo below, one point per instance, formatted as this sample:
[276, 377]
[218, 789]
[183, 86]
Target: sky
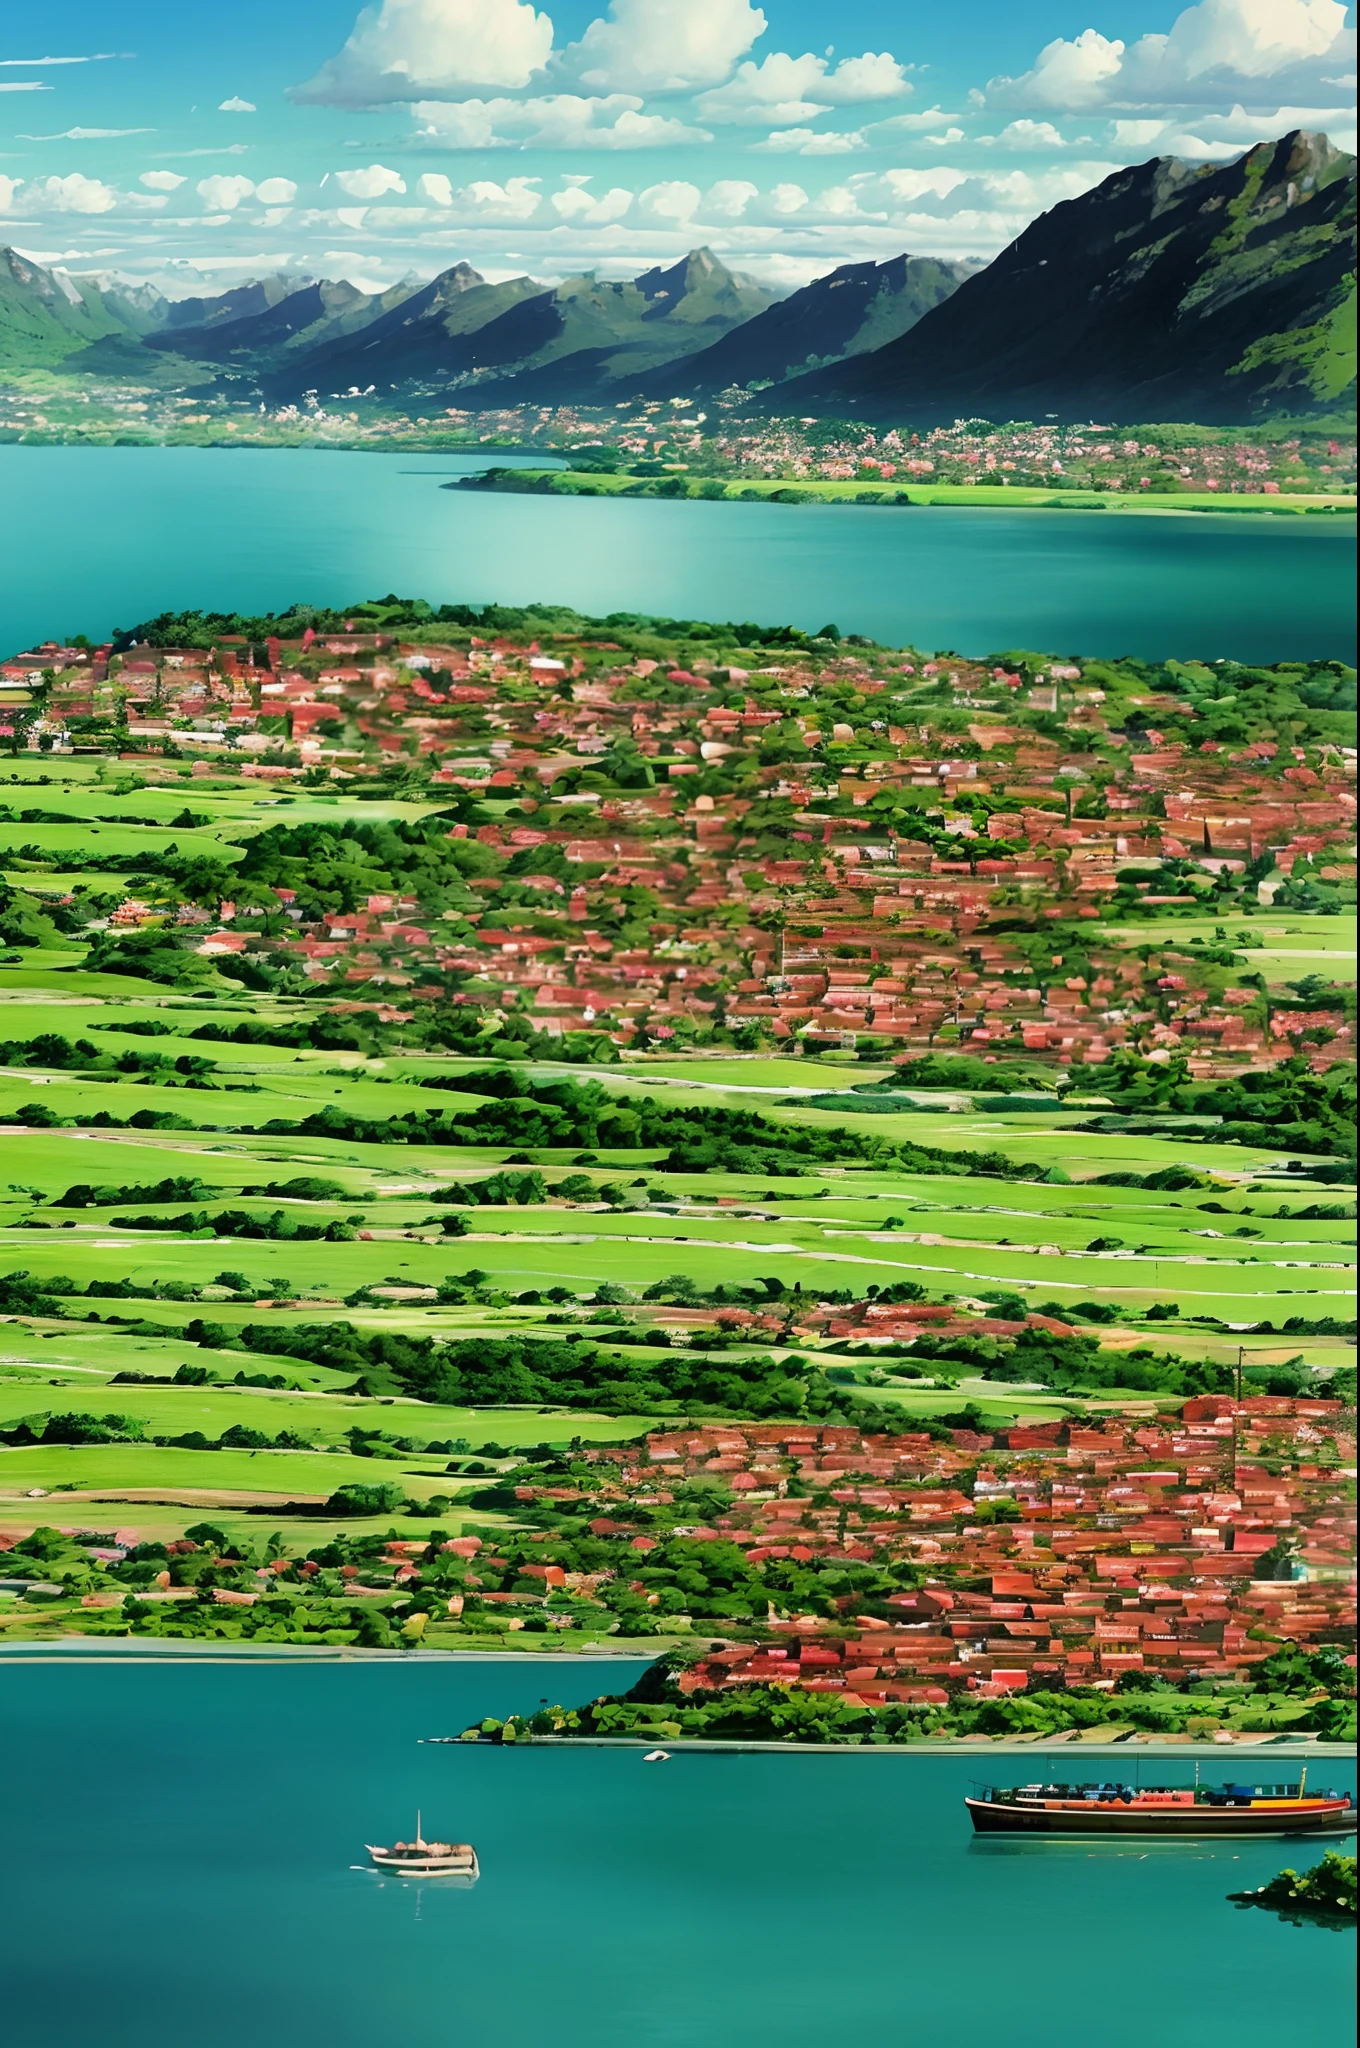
[196, 145]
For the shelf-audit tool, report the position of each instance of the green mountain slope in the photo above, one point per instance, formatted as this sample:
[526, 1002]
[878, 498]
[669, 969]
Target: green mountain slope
[592, 338]
[1210, 292]
[46, 316]
[857, 308]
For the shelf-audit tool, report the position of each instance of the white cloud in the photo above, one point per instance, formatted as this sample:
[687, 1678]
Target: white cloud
[910, 124]
[275, 217]
[812, 142]
[785, 88]
[222, 193]
[1223, 136]
[729, 198]
[786, 199]
[516, 199]
[1025, 134]
[276, 192]
[73, 194]
[1142, 134]
[351, 216]
[1210, 45]
[905, 186]
[434, 185]
[370, 183]
[236, 105]
[162, 181]
[870, 77]
[672, 200]
[432, 49]
[664, 45]
[36, 63]
[559, 121]
[28, 85]
[87, 135]
[574, 203]
[8, 188]
[1066, 75]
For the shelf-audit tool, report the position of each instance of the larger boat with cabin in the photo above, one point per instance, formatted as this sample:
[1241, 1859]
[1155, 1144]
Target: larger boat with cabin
[1197, 1812]
[427, 1859]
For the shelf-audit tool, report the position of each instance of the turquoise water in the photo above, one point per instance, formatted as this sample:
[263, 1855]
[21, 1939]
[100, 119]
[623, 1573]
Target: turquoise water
[94, 538]
[177, 1846]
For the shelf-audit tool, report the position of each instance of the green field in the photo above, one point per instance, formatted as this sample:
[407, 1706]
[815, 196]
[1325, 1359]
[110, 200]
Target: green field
[1008, 498]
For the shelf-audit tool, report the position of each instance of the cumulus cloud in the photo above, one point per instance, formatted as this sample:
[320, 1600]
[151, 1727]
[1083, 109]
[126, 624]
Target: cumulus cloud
[8, 188]
[515, 200]
[162, 181]
[276, 192]
[902, 125]
[557, 121]
[1025, 134]
[222, 193]
[812, 142]
[1210, 45]
[664, 45]
[433, 185]
[432, 49]
[574, 203]
[784, 88]
[236, 105]
[73, 194]
[729, 198]
[672, 200]
[370, 183]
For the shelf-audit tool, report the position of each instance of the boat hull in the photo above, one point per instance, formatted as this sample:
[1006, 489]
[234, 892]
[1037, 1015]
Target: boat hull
[1175, 1822]
[465, 1867]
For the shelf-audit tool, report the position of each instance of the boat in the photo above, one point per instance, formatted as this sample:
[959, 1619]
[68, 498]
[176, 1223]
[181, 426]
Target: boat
[420, 1858]
[1196, 1812]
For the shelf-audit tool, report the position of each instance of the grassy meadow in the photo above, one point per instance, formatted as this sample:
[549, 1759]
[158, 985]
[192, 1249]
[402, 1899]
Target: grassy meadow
[1211, 1260]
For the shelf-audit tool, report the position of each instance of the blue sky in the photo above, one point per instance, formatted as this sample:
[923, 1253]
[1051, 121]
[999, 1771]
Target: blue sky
[197, 144]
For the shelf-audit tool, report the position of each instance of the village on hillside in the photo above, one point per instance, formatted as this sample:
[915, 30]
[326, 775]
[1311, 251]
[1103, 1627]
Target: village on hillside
[842, 846]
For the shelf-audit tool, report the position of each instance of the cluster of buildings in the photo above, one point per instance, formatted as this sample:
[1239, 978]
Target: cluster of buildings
[793, 852]
[1092, 458]
[1191, 1545]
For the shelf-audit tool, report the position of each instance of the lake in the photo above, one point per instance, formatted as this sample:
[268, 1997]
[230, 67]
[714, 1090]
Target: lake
[96, 538]
[178, 1841]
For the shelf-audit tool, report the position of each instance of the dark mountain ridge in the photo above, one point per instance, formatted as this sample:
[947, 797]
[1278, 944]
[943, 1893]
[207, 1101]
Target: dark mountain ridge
[1209, 292]
[858, 307]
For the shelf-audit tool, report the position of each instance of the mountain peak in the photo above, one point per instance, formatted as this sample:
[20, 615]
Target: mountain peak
[1172, 290]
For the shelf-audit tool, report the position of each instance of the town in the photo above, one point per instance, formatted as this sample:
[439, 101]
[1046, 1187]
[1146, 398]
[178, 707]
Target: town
[966, 907]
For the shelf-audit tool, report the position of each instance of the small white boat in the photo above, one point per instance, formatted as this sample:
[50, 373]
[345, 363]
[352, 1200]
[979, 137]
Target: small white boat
[657, 1756]
[427, 1859]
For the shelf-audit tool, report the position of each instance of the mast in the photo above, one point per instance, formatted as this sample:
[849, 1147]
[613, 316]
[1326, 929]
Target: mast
[1303, 1778]
[419, 1843]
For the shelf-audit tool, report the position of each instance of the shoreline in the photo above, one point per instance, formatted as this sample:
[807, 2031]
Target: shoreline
[911, 496]
[121, 1650]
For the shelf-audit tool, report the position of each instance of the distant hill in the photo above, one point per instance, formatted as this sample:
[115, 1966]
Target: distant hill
[524, 342]
[319, 314]
[859, 307]
[240, 302]
[1173, 291]
[422, 338]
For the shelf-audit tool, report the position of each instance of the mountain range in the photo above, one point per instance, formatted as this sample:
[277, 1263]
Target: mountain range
[1172, 290]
